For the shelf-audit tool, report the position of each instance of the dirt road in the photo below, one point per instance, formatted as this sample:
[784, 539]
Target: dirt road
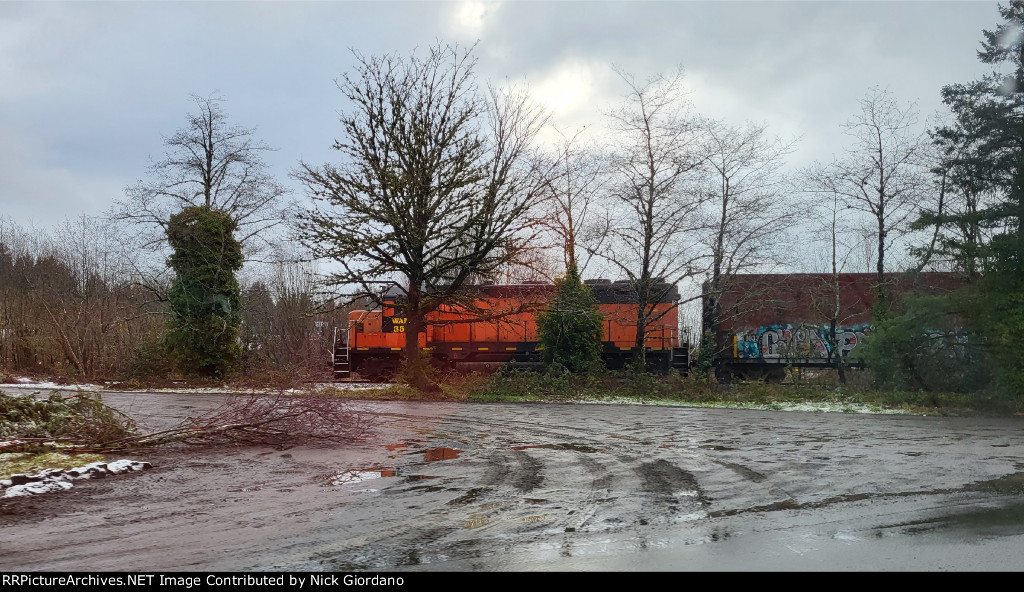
[539, 487]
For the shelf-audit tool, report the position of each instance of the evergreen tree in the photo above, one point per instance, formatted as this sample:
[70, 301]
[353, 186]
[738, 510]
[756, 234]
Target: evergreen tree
[205, 298]
[985, 147]
[570, 329]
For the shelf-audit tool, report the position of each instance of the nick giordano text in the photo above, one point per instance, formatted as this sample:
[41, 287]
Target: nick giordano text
[295, 581]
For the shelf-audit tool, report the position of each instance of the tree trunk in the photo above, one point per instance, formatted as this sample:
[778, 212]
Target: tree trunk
[836, 351]
[640, 343]
[415, 323]
[415, 366]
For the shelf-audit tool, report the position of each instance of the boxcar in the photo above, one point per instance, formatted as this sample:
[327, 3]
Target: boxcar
[768, 322]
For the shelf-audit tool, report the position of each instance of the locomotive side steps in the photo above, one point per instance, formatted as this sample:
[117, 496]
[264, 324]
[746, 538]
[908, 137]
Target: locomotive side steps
[342, 368]
[341, 363]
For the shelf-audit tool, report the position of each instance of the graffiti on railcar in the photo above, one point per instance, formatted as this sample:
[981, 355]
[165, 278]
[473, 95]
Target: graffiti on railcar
[803, 341]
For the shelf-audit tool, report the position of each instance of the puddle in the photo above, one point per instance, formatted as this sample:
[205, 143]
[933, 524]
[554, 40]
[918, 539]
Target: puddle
[468, 497]
[574, 447]
[475, 522]
[1012, 483]
[357, 476]
[436, 454]
[1007, 521]
[425, 488]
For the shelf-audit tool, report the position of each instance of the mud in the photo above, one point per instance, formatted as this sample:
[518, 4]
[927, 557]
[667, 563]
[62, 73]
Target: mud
[532, 487]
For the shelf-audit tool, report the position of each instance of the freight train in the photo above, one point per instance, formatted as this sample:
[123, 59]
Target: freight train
[499, 327]
[768, 322]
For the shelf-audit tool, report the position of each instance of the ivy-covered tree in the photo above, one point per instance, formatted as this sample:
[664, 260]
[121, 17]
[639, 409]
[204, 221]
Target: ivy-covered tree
[570, 329]
[205, 298]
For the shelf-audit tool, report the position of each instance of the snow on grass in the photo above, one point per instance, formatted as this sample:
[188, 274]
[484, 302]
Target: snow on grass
[23, 382]
[815, 407]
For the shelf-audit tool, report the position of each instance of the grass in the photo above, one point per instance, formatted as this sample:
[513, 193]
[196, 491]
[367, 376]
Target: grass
[45, 423]
[27, 463]
[817, 392]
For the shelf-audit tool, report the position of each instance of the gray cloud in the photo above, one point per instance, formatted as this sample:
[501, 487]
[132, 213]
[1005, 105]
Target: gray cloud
[87, 90]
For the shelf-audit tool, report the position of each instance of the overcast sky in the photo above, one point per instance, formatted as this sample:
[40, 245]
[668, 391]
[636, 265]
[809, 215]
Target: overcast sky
[88, 90]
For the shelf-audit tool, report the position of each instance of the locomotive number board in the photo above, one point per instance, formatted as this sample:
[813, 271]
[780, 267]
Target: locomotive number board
[393, 325]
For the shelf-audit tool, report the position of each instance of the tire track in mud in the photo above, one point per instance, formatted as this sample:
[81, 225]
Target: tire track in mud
[506, 494]
[532, 482]
[603, 483]
[507, 498]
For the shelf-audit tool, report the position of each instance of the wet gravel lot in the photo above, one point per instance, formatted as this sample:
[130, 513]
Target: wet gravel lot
[444, 486]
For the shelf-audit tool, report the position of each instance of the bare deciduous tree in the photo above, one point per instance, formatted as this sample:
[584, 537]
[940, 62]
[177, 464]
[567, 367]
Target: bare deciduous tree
[827, 298]
[436, 179]
[649, 229]
[67, 303]
[208, 163]
[881, 174]
[576, 180]
[749, 210]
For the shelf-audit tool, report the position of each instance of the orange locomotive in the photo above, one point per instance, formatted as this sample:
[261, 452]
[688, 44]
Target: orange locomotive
[373, 344]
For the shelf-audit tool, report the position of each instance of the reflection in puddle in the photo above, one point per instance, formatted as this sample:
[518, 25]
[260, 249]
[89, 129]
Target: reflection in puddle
[414, 478]
[435, 454]
[358, 475]
[987, 522]
[475, 522]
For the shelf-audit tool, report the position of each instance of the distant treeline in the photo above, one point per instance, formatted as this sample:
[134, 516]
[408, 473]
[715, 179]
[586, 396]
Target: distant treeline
[75, 303]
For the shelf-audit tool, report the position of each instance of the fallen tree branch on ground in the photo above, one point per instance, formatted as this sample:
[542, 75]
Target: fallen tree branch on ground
[276, 420]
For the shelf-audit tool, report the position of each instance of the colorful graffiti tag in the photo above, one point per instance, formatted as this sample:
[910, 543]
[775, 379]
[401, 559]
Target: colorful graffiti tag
[804, 341]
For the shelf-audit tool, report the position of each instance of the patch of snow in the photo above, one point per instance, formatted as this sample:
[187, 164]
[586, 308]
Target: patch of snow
[60, 479]
[126, 466]
[822, 407]
[36, 488]
[346, 477]
[22, 382]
